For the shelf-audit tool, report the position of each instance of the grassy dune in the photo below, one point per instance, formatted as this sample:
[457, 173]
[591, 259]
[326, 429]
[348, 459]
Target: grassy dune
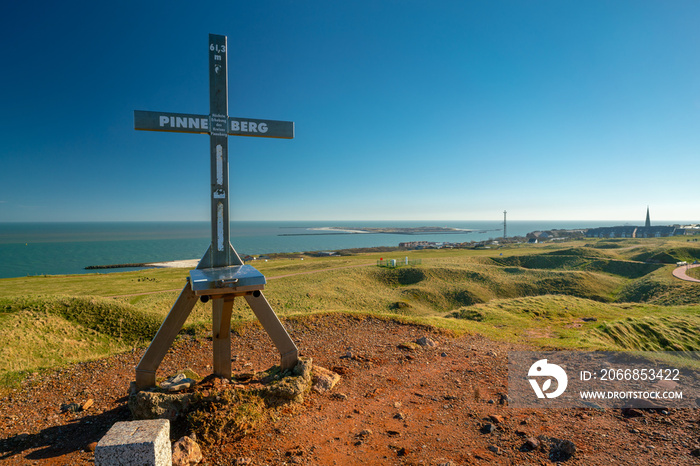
[583, 294]
[694, 272]
[42, 332]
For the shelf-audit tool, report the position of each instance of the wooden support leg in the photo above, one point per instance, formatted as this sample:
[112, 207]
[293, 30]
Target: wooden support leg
[146, 370]
[267, 317]
[222, 308]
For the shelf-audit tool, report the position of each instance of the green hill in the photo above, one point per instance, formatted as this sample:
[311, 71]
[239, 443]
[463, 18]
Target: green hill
[573, 295]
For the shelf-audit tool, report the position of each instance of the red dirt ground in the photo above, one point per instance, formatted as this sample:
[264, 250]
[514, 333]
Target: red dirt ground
[392, 406]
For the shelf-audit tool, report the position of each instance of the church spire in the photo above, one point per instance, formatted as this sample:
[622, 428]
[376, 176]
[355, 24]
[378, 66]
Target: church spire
[648, 222]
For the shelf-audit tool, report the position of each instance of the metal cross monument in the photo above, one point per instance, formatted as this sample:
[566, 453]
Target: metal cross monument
[220, 275]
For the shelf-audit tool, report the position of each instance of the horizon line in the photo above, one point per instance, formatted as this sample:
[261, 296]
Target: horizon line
[500, 221]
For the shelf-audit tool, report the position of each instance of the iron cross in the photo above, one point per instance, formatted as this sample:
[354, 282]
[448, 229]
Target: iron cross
[221, 275]
[218, 125]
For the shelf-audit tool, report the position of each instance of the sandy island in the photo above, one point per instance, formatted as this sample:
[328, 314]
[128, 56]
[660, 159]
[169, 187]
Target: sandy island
[338, 230]
[390, 230]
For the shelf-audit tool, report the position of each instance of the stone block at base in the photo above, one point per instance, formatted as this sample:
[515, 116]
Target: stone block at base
[135, 443]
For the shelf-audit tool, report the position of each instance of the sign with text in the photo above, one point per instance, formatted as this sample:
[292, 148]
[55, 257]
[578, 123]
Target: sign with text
[174, 122]
[261, 128]
[206, 124]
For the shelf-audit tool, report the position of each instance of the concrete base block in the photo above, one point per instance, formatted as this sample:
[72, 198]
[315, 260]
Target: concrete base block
[136, 443]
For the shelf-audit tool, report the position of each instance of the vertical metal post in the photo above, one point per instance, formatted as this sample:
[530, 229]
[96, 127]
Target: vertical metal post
[220, 250]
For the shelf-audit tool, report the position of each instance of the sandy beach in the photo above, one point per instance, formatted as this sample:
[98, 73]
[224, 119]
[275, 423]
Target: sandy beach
[185, 264]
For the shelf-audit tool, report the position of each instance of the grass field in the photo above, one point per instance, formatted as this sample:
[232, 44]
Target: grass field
[694, 272]
[588, 294]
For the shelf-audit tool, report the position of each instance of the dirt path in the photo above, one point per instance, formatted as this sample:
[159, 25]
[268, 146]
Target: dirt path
[267, 278]
[428, 406]
[680, 272]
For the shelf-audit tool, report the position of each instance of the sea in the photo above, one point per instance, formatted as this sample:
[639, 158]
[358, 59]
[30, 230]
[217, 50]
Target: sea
[28, 249]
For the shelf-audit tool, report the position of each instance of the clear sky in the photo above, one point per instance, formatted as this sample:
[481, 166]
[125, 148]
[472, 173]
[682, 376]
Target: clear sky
[416, 110]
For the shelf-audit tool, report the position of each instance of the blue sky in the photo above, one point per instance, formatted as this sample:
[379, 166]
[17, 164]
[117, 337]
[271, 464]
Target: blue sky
[415, 110]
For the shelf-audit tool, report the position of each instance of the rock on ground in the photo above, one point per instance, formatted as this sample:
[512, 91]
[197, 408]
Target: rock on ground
[186, 451]
[323, 379]
[153, 405]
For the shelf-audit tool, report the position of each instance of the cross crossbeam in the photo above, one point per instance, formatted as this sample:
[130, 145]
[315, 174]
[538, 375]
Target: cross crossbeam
[189, 123]
[220, 275]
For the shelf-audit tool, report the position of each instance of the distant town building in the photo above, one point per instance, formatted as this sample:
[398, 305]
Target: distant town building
[635, 232]
[629, 231]
[555, 234]
[417, 244]
[425, 245]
